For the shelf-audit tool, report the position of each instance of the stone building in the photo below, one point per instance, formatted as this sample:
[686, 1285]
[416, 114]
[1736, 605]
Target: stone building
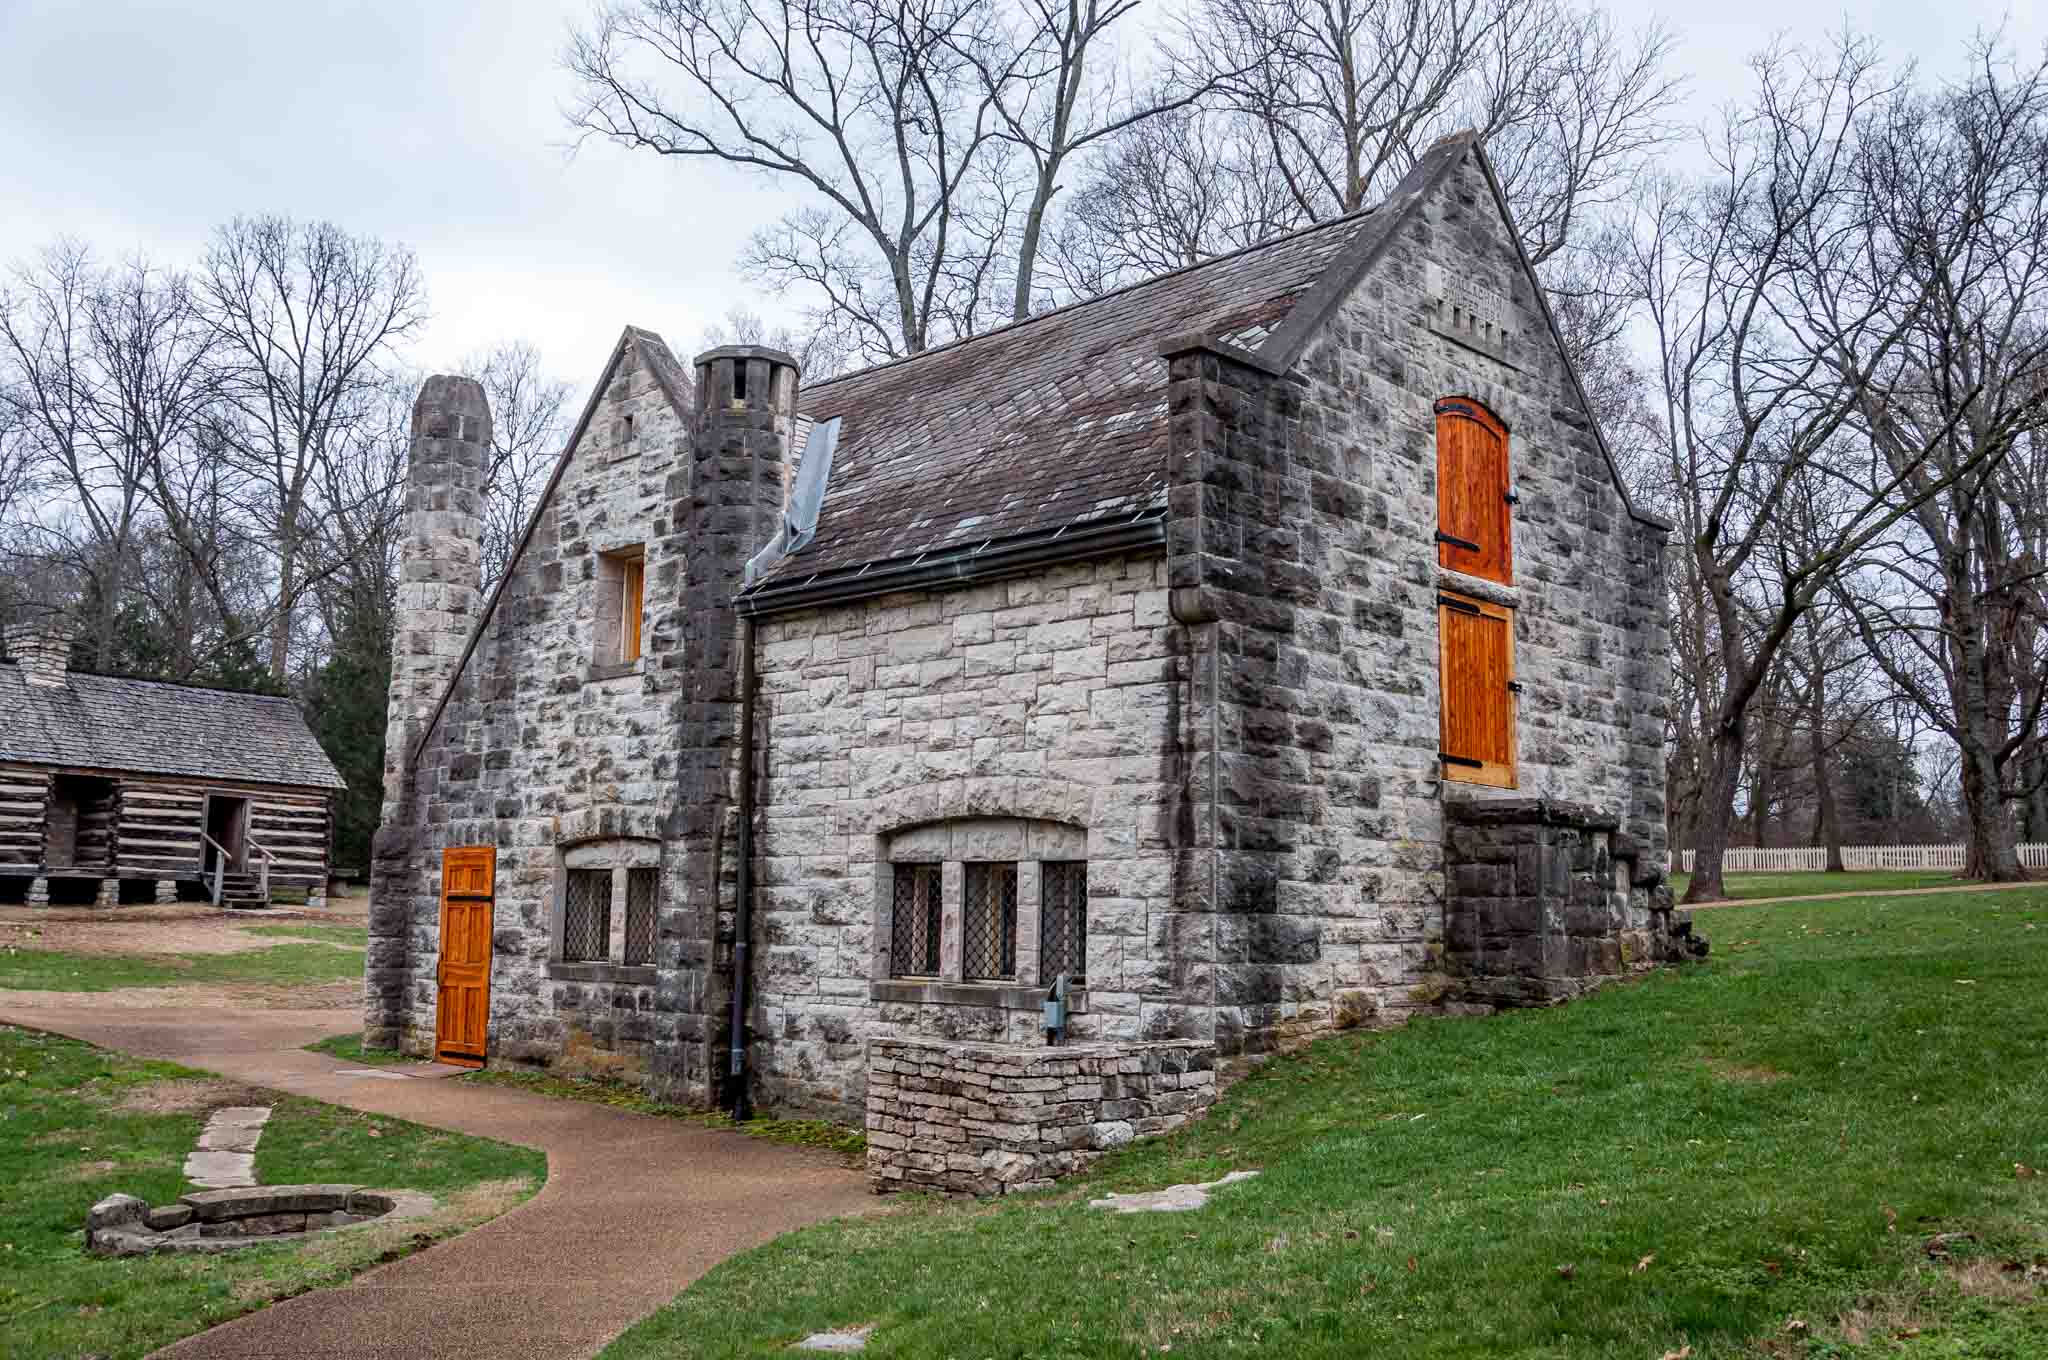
[115, 789]
[1265, 648]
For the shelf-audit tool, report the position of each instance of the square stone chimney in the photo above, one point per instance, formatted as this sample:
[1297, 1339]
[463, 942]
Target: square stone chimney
[42, 650]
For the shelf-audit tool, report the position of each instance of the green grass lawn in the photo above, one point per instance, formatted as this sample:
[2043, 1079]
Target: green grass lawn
[1747, 1158]
[349, 1048]
[619, 1095]
[78, 1123]
[54, 970]
[1742, 886]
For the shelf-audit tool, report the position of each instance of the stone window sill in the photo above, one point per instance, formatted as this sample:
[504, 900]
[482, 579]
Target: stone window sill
[1007, 996]
[1479, 588]
[637, 975]
[611, 670]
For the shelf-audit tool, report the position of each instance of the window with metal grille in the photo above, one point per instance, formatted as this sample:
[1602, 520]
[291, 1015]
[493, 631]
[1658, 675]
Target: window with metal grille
[641, 890]
[988, 922]
[1063, 920]
[914, 925]
[587, 916]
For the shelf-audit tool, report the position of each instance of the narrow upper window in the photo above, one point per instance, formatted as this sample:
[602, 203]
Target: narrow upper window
[621, 605]
[1063, 920]
[988, 921]
[632, 602]
[914, 924]
[1475, 531]
[1477, 671]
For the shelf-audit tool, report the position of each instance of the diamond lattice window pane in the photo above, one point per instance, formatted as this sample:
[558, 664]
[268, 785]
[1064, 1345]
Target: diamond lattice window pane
[914, 927]
[988, 922]
[1063, 920]
[587, 916]
[641, 893]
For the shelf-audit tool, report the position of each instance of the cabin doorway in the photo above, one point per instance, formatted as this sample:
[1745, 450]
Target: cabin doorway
[227, 820]
[78, 826]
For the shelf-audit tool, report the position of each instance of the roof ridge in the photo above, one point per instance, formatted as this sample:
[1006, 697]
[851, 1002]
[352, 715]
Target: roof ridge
[1068, 307]
[163, 680]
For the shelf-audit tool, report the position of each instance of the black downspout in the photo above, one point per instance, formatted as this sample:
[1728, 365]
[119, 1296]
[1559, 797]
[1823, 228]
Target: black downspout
[743, 916]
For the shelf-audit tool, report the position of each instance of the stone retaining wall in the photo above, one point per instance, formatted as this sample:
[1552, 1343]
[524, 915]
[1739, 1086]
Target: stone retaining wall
[984, 1119]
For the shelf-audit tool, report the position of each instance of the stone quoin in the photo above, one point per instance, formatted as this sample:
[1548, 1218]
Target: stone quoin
[1264, 649]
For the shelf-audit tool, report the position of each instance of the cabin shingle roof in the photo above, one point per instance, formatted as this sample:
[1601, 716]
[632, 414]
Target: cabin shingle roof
[154, 727]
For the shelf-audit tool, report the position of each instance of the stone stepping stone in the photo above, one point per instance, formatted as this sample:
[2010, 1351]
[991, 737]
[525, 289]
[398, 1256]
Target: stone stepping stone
[840, 1342]
[225, 1158]
[1174, 1199]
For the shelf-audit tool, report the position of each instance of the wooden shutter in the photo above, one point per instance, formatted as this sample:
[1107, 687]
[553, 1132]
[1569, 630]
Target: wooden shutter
[630, 608]
[1477, 665]
[1474, 528]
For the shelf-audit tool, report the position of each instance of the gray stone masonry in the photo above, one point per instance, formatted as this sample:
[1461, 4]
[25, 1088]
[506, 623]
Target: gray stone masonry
[435, 608]
[985, 1119]
[1303, 560]
[1547, 900]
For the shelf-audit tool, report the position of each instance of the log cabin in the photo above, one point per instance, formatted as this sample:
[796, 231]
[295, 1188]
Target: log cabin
[115, 789]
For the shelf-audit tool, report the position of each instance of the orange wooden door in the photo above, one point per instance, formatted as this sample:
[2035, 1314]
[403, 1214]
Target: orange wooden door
[462, 1017]
[1475, 533]
[1477, 641]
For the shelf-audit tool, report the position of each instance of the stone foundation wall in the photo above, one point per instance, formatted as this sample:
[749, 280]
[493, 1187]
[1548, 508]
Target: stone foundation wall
[985, 1119]
[1547, 900]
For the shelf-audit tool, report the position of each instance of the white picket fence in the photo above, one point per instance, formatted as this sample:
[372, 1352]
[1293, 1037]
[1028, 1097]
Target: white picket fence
[1855, 858]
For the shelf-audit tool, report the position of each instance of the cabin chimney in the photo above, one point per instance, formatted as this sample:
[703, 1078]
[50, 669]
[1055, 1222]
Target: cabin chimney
[42, 650]
[439, 560]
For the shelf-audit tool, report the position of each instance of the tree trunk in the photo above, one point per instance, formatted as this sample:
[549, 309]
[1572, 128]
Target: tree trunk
[1827, 818]
[281, 624]
[1027, 252]
[1717, 812]
[1993, 857]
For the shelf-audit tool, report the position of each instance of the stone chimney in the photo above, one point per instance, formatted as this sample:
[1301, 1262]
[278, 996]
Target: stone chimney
[439, 560]
[725, 507]
[42, 650]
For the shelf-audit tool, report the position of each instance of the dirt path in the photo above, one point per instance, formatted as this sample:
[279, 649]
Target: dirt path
[1868, 892]
[635, 1206]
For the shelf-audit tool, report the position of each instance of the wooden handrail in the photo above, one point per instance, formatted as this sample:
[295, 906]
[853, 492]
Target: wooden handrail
[263, 873]
[220, 865]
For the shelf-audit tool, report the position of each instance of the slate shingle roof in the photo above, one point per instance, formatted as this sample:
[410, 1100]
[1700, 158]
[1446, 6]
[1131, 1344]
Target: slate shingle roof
[151, 727]
[1052, 421]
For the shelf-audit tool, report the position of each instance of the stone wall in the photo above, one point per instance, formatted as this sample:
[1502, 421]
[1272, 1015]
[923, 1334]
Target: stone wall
[984, 1119]
[1547, 900]
[1303, 558]
[1049, 698]
[543, 744]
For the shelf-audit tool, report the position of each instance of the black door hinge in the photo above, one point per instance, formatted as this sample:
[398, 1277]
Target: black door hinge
[1467, 544]
[1453, 602]
[1511, 498]
[1447, 758]
[1514, 687]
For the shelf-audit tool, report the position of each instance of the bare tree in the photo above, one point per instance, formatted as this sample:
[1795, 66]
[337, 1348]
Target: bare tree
[308, 316]
[870, 106]
[1958, 188]
[529, 422]
[1758, 286]
[1346, 94]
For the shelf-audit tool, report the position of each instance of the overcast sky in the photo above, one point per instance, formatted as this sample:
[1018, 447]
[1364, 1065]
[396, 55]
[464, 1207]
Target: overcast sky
[139, 124]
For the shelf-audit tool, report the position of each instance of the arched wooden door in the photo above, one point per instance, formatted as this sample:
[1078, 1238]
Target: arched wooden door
[462, 1016]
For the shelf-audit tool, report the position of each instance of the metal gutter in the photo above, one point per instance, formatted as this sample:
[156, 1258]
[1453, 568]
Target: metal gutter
[990, 560]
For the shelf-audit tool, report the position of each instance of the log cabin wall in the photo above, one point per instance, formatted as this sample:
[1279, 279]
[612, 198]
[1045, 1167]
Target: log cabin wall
[24, 808]
[162, 818]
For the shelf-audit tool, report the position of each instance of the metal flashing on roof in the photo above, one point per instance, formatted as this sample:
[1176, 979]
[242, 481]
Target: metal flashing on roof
[800, 515]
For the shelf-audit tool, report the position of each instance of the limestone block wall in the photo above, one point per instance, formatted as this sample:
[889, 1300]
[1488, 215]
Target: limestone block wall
[543, 745]
[1303, 557]
[984, 1119]
[1054, 698]
[1547, 900]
